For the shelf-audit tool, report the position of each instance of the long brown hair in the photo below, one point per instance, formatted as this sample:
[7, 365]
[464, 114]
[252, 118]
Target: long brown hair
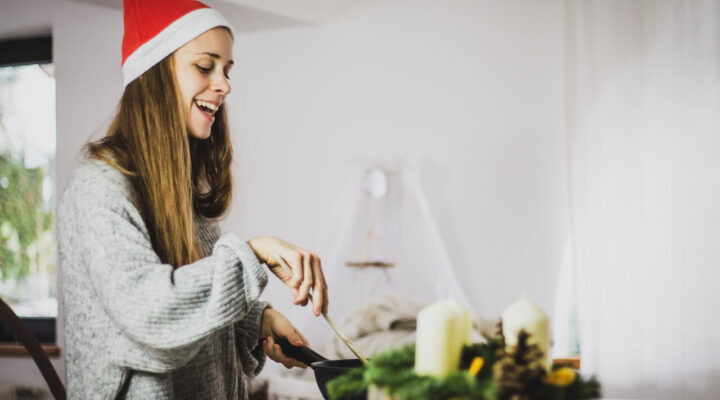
[175, 175]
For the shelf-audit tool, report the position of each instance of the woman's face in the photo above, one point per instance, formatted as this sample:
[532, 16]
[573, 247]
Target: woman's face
[201, 69]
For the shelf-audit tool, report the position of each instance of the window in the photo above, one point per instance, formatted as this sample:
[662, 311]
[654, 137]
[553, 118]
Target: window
[27, 172]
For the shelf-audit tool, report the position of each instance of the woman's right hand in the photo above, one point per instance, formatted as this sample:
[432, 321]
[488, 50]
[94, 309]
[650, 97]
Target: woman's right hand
[305, 266]
[275, 325]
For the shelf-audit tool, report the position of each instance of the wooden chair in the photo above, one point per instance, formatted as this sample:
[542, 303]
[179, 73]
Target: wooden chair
[22, 332]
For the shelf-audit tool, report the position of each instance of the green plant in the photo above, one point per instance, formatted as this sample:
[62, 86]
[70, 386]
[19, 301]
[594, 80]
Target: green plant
[25, 225]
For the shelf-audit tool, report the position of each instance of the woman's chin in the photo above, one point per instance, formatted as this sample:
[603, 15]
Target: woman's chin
[202, 135]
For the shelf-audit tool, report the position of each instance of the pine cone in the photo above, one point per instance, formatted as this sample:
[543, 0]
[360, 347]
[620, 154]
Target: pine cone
[519, 374]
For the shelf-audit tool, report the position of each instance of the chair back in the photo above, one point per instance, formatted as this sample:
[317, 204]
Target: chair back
[24, 335]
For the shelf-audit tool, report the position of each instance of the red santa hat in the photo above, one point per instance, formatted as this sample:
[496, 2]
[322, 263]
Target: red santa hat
[154, 29]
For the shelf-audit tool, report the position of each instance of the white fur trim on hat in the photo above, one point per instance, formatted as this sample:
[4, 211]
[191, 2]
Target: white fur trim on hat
[174, 36]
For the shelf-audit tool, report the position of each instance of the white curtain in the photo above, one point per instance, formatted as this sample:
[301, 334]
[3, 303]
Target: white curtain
[644, 162]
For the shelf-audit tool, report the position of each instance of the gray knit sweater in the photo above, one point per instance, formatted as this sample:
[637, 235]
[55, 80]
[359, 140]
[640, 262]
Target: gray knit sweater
[136, 328]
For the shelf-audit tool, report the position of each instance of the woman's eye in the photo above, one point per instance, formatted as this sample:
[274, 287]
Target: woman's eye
[203, 69]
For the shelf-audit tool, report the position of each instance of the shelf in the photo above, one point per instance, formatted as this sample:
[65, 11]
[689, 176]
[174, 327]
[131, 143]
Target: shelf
[572, 362]
[16, 350]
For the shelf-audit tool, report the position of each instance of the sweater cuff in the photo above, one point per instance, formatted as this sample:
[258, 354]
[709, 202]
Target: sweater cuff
[247, 339]
[248, 260]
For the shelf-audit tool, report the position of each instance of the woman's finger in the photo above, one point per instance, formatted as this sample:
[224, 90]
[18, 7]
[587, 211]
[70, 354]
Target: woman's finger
[272, 348]
[291, 335]
[278, 355]
[296, 270]
[319, 294]
[327, 299]
[291, 363]
[296, 363]
[297, 339]
[286, 330]
[304, 340]
[308, 280]
[268, 345]
[277, 350]
[325, 291]
[284, 276]
[274, 352]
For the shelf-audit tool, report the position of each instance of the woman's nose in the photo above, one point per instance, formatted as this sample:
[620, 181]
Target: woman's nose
[221, 84]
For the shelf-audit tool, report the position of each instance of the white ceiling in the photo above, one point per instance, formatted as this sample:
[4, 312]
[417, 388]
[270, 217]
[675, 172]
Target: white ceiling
[314, 11]
[309, 11]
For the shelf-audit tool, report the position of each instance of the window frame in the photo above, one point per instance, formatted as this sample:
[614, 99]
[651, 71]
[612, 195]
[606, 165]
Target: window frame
[25, 51]
[16, 52]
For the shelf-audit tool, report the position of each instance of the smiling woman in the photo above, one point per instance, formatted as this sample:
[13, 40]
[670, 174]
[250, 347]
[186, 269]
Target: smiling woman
[158, 303]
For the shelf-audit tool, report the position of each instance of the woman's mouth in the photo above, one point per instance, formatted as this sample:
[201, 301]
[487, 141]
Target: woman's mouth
[207, 109]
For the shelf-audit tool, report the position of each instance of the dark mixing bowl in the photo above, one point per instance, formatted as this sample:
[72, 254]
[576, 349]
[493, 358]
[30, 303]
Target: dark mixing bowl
[327, 370]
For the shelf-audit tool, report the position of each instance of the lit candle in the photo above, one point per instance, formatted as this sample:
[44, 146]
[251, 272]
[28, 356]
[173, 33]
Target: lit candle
[442, 330]
[524, 315]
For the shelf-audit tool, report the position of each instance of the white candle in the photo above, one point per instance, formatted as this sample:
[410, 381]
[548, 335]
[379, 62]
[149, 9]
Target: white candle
[376, 393]
[442, 330]
[524, 315]
[463, 320]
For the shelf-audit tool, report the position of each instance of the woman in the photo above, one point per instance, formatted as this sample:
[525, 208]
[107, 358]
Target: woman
[157, 303]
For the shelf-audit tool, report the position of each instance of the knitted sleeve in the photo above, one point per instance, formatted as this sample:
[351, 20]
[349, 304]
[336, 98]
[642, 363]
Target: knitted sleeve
[249, 351]
[247, 341]
[165, 311]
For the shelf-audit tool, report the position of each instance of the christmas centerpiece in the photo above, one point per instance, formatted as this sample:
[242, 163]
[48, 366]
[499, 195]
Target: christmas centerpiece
[443, 364]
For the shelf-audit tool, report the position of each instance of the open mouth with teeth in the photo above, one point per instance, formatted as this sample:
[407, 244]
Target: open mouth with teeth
[208, 109]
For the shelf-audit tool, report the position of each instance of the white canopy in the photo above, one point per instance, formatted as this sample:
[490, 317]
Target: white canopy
[388, 242]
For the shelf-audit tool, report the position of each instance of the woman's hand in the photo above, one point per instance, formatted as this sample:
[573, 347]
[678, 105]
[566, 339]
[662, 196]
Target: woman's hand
[305, 266]
[275, 325]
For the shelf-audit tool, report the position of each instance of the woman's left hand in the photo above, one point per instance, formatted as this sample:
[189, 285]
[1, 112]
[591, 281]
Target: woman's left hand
[275, 325]
[305, 266]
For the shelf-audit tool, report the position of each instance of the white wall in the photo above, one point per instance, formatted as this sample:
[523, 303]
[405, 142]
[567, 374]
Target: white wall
[474, 90]
[88, 84]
